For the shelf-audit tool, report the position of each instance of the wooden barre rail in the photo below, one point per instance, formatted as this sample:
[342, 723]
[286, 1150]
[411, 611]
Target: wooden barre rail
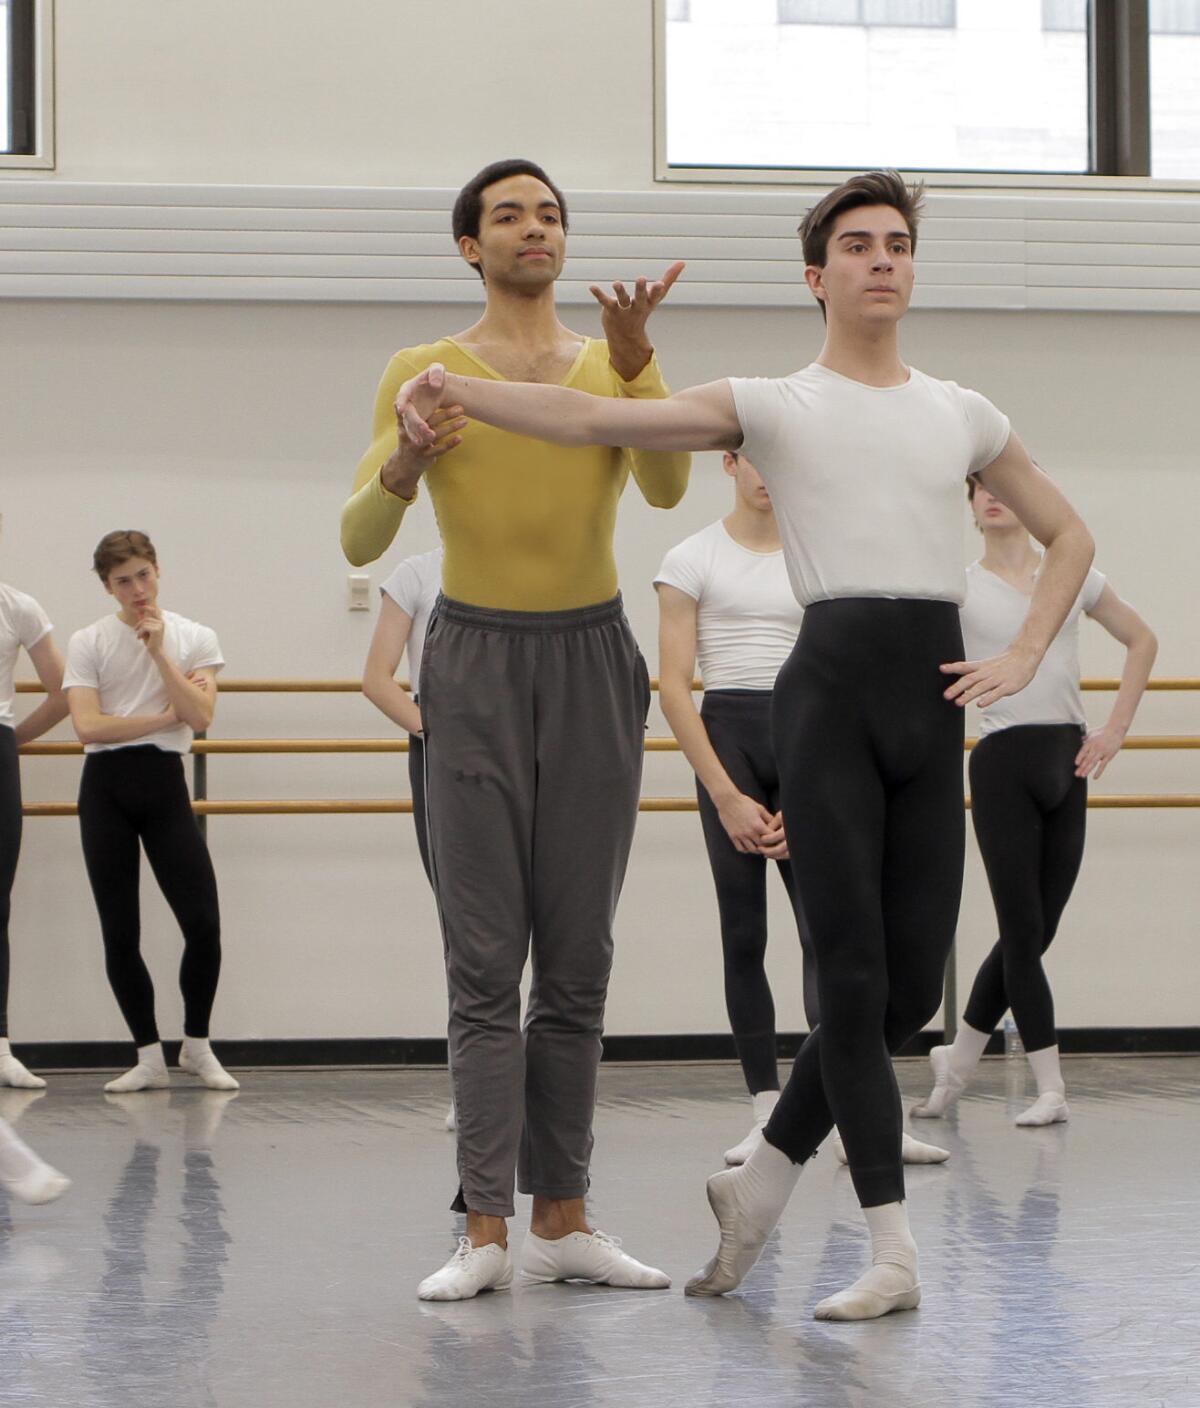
[266, 686]
[1133, 801]
[211, 746]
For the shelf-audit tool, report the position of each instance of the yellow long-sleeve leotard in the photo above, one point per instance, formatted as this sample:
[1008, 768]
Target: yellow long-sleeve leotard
[527, 526]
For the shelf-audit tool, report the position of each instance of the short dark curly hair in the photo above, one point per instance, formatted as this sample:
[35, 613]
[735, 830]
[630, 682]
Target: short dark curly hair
[468, 206]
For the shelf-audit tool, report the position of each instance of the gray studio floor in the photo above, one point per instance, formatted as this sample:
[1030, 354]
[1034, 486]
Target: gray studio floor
[264, 1249]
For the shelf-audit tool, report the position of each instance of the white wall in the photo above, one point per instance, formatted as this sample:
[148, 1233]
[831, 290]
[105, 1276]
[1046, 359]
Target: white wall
[230, 431]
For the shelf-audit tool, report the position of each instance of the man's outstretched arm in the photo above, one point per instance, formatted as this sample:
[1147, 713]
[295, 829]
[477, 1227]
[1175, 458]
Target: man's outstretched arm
[701, 418]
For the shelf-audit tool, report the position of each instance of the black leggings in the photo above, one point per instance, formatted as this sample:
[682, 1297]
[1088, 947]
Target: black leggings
[870, 762]
[139, 793]
[1030, 815]
[738, 723]
[10, 849]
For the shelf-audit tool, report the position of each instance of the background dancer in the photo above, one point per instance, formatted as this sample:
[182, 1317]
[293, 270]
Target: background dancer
[406, 601]
[140, 682]
[23, 624]
[724, 601]
[1029, 776]
[864, 457]
[533, 696]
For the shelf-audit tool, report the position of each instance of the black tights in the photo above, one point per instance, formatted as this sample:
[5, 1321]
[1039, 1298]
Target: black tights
[139, 793]
[870, 762]
[1030, 815]
[10, 849]
[738, 723]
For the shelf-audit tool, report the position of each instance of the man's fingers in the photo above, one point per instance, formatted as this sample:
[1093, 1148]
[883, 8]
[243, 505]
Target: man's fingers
[623, 299]
[601, 297]
[671, 275]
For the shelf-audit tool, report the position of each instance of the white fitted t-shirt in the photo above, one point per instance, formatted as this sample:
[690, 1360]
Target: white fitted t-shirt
[747, 616]
[992, 617]
[867, 481]
[22, 624]
[414, 587]
[108, 657]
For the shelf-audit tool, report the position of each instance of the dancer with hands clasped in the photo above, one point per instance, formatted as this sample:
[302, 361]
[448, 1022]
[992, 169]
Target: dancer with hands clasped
[865, 458]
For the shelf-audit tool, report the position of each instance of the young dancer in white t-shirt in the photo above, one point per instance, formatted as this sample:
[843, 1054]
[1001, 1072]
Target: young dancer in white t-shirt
[140, 682]
[865, 458]
[23, 625]
[1029, 775]
[407, 600]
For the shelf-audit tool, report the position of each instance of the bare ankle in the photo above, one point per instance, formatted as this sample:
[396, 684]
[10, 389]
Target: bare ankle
[555, 1218]
[483, 1230]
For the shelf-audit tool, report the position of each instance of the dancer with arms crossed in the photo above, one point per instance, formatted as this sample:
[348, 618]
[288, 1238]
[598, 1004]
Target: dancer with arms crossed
[533, 698]
[1029, 774]
[140, 682]
[865, 459]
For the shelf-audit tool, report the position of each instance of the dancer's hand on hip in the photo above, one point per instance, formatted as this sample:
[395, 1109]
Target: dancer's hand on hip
[982, 682]
[1100, 747]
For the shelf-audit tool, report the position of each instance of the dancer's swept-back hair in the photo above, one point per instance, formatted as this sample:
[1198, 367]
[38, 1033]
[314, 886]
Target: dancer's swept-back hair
[468, 207]
[871, 188]
[121, 545]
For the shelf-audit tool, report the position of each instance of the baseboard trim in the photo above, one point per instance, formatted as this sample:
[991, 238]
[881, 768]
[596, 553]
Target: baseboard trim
[431, 1051]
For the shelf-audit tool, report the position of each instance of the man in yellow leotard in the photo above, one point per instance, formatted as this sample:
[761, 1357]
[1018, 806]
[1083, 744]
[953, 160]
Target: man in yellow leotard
[533, 703]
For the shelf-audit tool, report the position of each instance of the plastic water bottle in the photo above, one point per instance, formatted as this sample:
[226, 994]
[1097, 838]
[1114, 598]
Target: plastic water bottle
[1014, 1047]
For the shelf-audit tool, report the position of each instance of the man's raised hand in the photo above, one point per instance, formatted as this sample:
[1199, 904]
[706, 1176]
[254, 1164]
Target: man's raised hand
[624, 314]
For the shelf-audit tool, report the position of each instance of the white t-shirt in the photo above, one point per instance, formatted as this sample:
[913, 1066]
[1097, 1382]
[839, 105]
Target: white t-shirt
[107, 656]
[747, 617]
[867, 481]
[414, 587]
[22, 624]
[992, 617]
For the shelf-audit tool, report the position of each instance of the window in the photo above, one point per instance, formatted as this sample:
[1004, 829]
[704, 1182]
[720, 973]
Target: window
[968, 88]
[847, 84]
[678, 11]
[930, 14]
[1175, 89]
[25, 109]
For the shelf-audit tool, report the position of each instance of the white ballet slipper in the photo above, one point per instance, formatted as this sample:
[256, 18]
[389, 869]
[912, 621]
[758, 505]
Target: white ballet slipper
[468, 1272]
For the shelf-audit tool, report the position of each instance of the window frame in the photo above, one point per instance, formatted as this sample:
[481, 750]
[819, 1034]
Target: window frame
[41, 102]
[1119, 115]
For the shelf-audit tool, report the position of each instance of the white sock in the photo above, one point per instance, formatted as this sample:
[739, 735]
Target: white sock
[893, 1282]
[1050, 1107]
[764, 1103]
[13, 1073]
[912, 1151]
[747, 1202]
[952, 1067]
[23, 1174]
[150, 1073]
[197, 1056]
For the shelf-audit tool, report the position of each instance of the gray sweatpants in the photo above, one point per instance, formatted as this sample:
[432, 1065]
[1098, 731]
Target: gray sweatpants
[534, 729]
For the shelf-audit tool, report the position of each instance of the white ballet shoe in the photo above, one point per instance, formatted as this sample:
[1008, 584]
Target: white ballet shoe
[584, 1256]
[1049, 1108]
[139, 1077]
[912, 1151]
[15, 1076]
[747, 1203]
[452, 1118]
[879, 1292]
[42, 1185]
[205, 1066]
[948, 1085]
[468, 1272]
